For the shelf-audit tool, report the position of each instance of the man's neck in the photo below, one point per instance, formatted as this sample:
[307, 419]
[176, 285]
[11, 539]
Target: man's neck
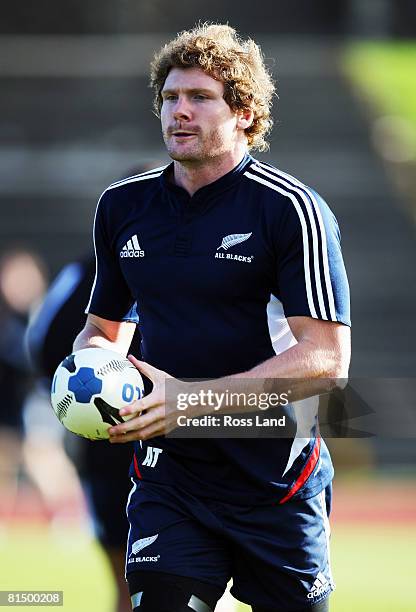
[191, 176]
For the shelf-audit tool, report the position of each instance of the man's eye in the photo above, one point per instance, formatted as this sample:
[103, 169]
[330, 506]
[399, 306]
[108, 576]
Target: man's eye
[170, 97]
[200, 97]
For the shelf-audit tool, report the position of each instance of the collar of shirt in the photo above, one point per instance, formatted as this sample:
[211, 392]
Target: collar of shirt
[179, 198]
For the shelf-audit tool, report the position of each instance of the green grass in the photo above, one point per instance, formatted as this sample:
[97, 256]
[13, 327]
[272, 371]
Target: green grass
[373, 568]
[70, 562]
[385, 72]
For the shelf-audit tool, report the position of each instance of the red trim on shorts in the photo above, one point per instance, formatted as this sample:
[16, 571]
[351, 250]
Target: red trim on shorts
[136, 467]
[306, 472]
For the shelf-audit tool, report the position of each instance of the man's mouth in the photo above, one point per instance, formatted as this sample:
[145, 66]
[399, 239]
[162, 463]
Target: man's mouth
[182, 134]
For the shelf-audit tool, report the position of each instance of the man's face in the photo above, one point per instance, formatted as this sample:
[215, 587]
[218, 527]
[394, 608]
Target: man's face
[197, 123]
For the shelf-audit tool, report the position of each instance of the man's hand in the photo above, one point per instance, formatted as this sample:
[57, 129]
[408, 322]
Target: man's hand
[153, 418]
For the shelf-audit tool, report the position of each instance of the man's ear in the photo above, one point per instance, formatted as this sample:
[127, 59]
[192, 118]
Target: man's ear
[245, 118]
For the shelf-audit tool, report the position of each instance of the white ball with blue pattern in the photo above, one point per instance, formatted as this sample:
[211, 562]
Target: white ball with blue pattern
[89, 388]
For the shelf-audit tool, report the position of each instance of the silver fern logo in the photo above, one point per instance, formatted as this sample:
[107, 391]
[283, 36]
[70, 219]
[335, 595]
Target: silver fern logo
[230, 241]
[233, 239]
[138, 545]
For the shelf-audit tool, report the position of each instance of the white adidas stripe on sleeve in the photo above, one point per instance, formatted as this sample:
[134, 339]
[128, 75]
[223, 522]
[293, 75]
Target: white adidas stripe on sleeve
[304, 237]
[300, 194]
[321, 230]
[95, 253]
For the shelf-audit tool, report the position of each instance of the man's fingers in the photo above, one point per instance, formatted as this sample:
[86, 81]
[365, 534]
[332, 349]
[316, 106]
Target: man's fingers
[155, 429]
[146, 403]
[138, 422]
[152, 431]
[148, 413]
[148, 370]
[137, 406]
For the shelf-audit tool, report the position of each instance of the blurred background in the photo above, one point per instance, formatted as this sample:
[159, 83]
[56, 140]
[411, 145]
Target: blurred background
[75, 115]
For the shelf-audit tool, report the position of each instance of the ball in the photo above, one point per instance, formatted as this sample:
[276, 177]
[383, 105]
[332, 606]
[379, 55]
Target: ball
[89, 388]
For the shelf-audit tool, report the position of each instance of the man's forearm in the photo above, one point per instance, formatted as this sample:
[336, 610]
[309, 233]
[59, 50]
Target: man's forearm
[300, 372]
[93, 337]
[102, 333]
[303, 360]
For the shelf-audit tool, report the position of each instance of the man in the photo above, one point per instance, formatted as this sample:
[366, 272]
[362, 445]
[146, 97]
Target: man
[49, 339]
[237, 273]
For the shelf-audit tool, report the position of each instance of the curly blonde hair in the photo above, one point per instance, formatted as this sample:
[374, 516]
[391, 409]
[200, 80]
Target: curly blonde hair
[220, 52]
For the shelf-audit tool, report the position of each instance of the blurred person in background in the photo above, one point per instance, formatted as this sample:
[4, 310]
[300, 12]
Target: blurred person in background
[103, 469]
[31, 452]
[22, 285]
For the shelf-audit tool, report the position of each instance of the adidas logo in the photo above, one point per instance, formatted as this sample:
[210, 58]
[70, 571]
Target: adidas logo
[132, 248]
[320, 586]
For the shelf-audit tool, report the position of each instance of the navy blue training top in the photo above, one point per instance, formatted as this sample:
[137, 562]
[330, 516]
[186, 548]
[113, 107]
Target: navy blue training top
[215, 277]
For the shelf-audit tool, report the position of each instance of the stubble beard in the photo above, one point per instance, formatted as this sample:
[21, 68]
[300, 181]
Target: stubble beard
[181, 153]
[206, 150]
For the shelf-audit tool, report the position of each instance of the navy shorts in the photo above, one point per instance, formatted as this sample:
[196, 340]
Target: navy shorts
[277, 555]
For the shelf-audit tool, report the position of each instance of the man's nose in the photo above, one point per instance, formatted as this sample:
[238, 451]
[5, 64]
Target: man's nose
[182, 109]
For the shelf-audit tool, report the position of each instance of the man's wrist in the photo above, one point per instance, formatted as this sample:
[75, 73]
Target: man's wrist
[217, 396]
